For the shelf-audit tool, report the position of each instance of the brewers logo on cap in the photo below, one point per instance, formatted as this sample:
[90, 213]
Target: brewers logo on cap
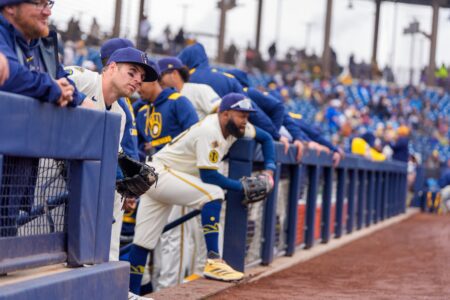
[144, 58]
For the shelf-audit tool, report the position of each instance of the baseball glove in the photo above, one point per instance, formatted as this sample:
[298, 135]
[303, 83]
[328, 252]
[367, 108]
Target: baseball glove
[138, 177]
[256, 188]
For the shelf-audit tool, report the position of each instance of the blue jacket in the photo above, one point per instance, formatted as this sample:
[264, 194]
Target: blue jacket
[23, 58]
[93, 56]
[161, 121]
[129, 141]
[400, 148]
[270, 105]
[195, 58]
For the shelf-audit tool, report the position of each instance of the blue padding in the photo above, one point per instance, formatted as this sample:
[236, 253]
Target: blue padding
[32, 261]
[243, 149]
[107, 186]
[14, 247]
[104, 281]
[270, 221]
[235, 233]
[47, 130]
[82, 211]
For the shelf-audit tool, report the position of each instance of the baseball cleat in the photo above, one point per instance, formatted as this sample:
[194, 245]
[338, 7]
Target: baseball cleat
[218, 269]
[132, 296]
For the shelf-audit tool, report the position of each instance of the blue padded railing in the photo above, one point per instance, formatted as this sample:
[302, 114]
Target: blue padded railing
[374, 191]
[86, 143]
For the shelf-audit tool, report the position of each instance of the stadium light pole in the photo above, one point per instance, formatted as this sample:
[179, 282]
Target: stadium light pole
[433, 44]
[375, 36]
[140, 18]
[117, 18]
[258, 25]
[223, 16]
[326, 42]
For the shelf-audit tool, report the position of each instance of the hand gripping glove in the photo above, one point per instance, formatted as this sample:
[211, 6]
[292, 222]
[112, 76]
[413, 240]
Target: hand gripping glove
[138, 177]
[256, 188]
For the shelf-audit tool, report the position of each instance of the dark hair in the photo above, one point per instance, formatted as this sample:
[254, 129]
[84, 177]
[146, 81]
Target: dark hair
[184, 73]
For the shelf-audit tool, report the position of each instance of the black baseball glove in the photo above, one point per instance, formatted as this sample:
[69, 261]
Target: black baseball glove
[256, 188]
[138, 177]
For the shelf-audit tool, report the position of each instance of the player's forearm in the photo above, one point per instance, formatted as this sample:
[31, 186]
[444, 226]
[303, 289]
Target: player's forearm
[214, 177]
[268, 148]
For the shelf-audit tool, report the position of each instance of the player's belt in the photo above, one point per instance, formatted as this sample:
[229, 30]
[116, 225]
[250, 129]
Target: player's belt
[161, 141]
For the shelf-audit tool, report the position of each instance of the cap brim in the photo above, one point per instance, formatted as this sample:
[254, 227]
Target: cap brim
[244, 109]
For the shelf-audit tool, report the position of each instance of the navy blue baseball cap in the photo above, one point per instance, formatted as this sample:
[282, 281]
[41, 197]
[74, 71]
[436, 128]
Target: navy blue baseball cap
[235, 101]
[112, 45]
[169, 63]
[136, 57]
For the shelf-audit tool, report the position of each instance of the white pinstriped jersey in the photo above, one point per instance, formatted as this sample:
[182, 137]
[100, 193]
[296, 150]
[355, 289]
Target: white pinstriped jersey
[203, 97]
[202, 146]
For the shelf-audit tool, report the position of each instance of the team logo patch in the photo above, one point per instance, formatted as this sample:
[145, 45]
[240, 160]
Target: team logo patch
[154, 124]
[215, 144]
[213, 156]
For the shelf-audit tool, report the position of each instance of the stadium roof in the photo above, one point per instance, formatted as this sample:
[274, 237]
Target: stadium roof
[442, 3]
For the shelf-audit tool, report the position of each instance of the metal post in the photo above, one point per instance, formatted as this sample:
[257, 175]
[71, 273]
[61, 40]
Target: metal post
[370, 196]
[340, 195]
[326, 56]
[434, 32]
[375, 35]
[292, 212]
[117, 18]
[361, 198]
[313, 174]
[326, 204]
[258, 25]
[221, 42]
[270, 215]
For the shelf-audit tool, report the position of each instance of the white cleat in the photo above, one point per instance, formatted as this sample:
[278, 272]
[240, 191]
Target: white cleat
[132, 296]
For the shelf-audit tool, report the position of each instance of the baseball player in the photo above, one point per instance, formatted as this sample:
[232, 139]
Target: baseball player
[166, 115]
[174, 74]
[123, 74]
[188, 176]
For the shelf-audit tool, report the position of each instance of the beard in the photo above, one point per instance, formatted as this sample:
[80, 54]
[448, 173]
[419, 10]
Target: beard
[31, 27]
[234, 130]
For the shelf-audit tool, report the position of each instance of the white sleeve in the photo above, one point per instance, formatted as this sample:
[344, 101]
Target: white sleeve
[250, 131]
[85, 80]
[210, 99]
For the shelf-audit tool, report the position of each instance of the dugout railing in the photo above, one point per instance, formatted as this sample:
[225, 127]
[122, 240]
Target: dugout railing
[319, 203]
[57, 179]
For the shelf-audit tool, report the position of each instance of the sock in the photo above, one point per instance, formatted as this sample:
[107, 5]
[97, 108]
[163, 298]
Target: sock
[210, 223]
[138, 258]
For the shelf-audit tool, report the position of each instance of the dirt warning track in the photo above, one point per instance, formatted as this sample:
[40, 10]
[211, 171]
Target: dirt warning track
[410, 260]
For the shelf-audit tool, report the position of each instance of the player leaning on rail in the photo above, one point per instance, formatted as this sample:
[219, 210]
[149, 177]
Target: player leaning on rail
[188, 176]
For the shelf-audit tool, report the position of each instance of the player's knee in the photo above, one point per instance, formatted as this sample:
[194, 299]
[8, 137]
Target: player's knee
[217, 193]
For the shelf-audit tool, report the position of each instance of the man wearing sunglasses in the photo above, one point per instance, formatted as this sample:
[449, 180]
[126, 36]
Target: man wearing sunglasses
[191, 163]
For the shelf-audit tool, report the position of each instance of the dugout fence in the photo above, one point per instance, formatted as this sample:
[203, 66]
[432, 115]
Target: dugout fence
[57, 178]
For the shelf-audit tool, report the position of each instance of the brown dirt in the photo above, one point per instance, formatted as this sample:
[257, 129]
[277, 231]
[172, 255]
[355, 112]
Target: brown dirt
[410, 260]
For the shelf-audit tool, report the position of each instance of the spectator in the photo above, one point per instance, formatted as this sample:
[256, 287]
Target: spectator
[84, 53]
[400, 147]
[144, 30]
[231, 54]
[272, 50]
[179, 40]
